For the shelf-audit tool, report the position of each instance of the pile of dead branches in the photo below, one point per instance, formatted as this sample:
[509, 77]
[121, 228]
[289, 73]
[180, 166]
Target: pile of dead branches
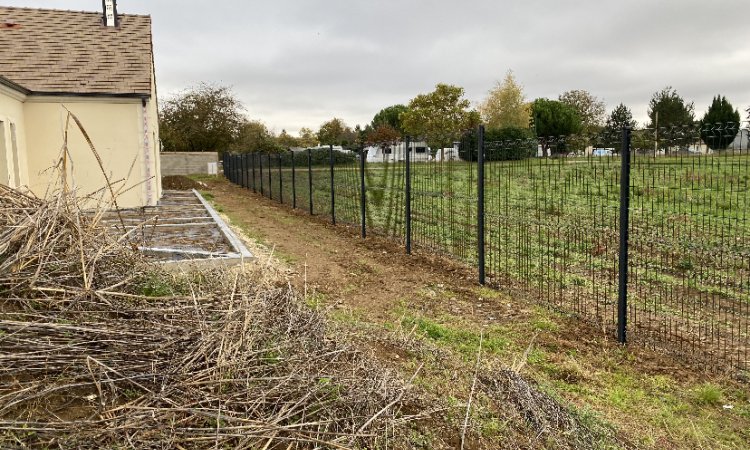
[100, 349]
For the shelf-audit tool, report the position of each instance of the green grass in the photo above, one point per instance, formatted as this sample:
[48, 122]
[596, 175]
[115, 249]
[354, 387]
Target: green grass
[460, 339]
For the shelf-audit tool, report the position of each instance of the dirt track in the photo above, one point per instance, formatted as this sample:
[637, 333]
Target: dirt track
[373, 275]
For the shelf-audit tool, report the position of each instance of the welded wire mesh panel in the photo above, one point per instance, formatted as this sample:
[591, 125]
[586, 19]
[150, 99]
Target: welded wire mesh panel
[444, 200]
[690, 241]
[273, 177]
[288, 178]
[385, 181]
[245, 169]
[302, 180]
[321, 177]
[254, 183]
[347, 187]
[262, 175]
[552, 211]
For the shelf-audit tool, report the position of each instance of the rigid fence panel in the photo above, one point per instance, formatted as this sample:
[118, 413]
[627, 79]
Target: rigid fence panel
[690, 243]
[346, 188]
[552, 229]
[385, 183]
[444, 200]
[288, 178]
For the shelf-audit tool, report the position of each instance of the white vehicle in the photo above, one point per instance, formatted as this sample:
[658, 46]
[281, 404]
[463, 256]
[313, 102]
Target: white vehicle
[603, 152]
[396, 153]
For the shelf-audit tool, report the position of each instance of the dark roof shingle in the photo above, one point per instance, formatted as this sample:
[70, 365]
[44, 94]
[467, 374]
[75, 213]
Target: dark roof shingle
[54, 51]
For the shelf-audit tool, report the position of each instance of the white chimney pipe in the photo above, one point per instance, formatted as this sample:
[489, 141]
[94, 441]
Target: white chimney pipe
[110, 12]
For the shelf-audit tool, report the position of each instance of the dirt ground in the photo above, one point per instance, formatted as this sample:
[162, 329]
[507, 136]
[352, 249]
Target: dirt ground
[373, 278]
[180, 183]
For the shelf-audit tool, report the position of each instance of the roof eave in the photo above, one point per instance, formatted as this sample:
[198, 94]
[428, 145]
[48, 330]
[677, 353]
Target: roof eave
[90, 94]
[14, 86]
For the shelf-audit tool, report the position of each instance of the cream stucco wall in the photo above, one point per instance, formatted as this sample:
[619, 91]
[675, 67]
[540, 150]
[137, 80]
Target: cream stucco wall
[117, 128]
[13, 162]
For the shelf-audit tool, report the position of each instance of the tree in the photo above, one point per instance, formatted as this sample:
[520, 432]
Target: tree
[286, 140]
[505, 105]
[619, 118]
[335, 132]
[390, 116]
[720, 124]
[672, 109]
[590, 109]
[554, 121]
[440, 116]
[204, 118]
[383, 136]
[307, 137]
[255, 137]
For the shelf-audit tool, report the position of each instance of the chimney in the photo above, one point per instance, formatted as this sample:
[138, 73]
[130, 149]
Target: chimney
[110, 12]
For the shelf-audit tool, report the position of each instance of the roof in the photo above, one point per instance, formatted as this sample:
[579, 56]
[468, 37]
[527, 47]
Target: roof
[57, 52]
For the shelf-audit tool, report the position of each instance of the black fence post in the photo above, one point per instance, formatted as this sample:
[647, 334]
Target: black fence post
[281, 182]
[270, 177]
[408, 195]
[260, 164]
[232, 174]
[333, 190]
[480, 203]
[362, 193]
[309, 178]
[294, 183]
[252, 162]
[622, 294]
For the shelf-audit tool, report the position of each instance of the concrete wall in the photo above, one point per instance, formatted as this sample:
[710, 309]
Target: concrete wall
[186, 163]
[13, 160]
[124, 133]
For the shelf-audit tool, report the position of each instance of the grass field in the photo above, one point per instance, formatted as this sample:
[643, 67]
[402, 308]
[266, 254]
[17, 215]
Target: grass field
[552, 232]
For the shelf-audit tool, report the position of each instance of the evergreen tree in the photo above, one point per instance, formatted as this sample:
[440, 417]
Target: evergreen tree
[619, 118]
[671, 109]
[720, 124]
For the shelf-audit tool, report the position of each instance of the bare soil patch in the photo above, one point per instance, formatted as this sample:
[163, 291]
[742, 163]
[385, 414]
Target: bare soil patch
[180, 183]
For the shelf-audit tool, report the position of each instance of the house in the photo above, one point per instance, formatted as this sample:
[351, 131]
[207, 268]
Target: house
[100, 67]
[397, 152]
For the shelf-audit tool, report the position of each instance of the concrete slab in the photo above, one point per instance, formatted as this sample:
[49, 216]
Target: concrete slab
[182, 231]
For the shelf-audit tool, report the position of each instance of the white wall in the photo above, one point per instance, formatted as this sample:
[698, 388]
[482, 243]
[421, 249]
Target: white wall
[116, 128]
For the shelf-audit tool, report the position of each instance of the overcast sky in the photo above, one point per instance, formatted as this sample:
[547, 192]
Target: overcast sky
[297, 63]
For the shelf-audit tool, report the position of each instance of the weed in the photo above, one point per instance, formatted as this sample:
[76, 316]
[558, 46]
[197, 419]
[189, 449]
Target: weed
[685, 264]
[708, 394]
[153, 285]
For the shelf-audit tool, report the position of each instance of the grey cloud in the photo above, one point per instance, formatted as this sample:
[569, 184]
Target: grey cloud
[298, 63]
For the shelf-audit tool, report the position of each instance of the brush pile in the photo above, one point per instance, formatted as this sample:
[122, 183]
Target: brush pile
[101, 349]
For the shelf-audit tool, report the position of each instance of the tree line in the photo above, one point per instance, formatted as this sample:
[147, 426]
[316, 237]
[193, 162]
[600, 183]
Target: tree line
[211, 118]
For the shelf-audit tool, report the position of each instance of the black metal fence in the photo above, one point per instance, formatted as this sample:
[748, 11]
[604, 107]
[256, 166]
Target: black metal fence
[645, 232]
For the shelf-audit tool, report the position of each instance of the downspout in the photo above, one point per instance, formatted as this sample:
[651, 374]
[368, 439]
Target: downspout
[148, 175]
